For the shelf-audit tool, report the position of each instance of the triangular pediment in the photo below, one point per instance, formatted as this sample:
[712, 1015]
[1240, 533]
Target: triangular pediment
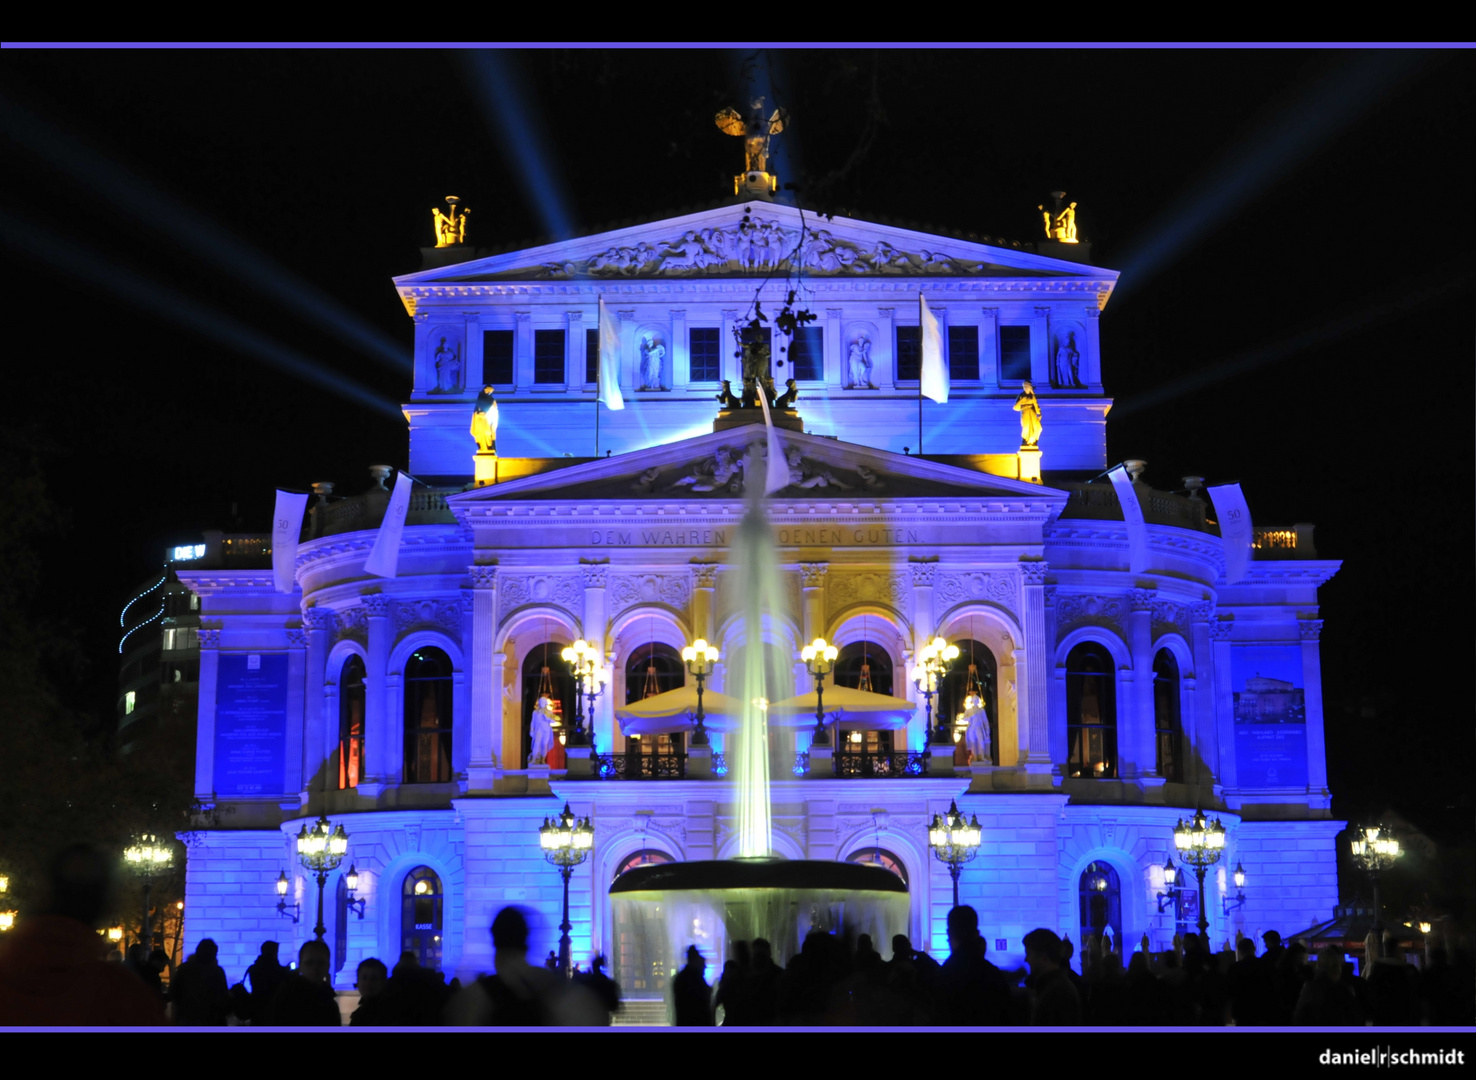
[715, 468]
[746, 239]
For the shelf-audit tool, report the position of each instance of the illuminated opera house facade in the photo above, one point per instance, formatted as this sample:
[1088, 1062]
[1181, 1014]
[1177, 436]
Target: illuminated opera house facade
[1118, 702]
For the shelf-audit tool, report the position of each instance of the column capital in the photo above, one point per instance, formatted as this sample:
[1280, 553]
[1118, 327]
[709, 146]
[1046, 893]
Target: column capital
[1201, 611]
[835, 313]
[704, 575]
[376, 605]
[316, 618]
[523, 316]
[1310, 629]
[812, 574]
[209, 639]
[297, 637]
[1222, 628]
[482, 577]
[1141, 599]
[594, 576]
[923, 572]
[1033, 571]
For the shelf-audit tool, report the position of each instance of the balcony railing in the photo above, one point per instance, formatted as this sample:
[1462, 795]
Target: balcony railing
[641, 766]
[879, 763]
[1284, 542]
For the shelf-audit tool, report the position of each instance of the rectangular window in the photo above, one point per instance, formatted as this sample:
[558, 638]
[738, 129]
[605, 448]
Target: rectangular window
[909, 353]
[591, 356]
[497, 357]
[963, 353]
[704, 345]
[1014, 353]
[807, 354]
[548, 356]
[130, 702]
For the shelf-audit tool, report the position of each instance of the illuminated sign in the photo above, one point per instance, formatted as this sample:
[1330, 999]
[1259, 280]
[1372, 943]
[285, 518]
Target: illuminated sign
[188, 552]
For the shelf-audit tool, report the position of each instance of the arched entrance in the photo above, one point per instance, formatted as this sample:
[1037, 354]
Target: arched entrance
[642, 968]
[1101, 902]
[421, 912]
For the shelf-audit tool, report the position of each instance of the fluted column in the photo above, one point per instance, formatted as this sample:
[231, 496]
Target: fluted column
[812, 585]
[704, 601]
[1206, 745]
[989, 348]
[1136, 750]
[596, 632]
[205, 723]
[318, 623]
[382, 739]
[1035, 749]
[923, 626]
[1311, 632]
[486, 687]
[1220, 632]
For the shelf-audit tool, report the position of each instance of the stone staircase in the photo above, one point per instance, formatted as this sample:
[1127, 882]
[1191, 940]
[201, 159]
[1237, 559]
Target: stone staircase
[651, 1013]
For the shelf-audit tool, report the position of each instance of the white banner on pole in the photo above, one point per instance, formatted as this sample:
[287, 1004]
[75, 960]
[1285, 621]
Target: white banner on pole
[609, 391]
[1132, 514]
[384, 558]
[776, 479]
[1235, 528]
[286, 527]
[934, 374]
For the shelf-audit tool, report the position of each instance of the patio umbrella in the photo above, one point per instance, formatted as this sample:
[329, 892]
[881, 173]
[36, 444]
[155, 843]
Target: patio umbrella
[846, 706]
[676, 710]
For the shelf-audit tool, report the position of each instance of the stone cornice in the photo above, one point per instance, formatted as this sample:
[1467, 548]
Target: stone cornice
[240, 584]
[743, 287]
[655, 514]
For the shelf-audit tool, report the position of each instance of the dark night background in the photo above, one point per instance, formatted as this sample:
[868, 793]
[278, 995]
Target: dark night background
[1294, 230]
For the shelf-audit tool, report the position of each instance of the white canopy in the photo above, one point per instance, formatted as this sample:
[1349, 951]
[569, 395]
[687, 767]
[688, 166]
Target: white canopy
[676, 710]
[847, 707]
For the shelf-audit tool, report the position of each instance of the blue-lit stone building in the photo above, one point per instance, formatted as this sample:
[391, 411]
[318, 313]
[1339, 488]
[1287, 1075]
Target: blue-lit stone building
[1119, 702]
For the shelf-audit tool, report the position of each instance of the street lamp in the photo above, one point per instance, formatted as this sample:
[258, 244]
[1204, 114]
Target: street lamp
[819, 658]
[7, 920]
[146, 858]
[1374, 849]
[566, 843]
[699, 658]
[351, 882]
[320, 850]
[1200, 845]
[932, 665]
[583, 660]
[954, 841]
[282, 886]
[1170, 884]
[1227, 905]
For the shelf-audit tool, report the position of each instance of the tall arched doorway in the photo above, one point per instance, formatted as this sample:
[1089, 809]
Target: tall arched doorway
[422, 909]
[974, 672]
[643, 960]
[1101, 902]
[653, 669]
[864, 665]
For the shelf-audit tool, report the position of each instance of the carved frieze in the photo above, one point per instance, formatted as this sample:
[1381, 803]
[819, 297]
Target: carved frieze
[628, 590]
[482, 577]
[1170, 617]
[352, 623]
[994, 588]
[1073, 610]
[563, 589]
[445, 614]
[846, 589]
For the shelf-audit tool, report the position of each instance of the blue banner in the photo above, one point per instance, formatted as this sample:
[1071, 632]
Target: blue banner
[250, 724]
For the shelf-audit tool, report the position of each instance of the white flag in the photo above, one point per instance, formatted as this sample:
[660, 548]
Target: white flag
[609, 391]
[934, 375]
[1235, 528]
[286, 527]
[384, 558]
[1132, 513]
[777, 477]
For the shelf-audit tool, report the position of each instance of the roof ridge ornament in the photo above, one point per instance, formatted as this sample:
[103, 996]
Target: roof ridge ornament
[756, 182]
[450, 227]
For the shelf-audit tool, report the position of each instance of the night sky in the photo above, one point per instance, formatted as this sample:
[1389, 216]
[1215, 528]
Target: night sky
[199, 244]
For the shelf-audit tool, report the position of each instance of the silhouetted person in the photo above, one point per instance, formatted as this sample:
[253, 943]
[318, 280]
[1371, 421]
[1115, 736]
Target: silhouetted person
[1330, 999]
[376, 1006]
[140, 963]
[1393, 984]
[305, 997]
[201, 998]
[604, 989]
[762, 1004]
[51, 966]
[519, 994]
[974, 991]
[691, 997]
[1252, 1003]
[1054, 1000]
[265, 974]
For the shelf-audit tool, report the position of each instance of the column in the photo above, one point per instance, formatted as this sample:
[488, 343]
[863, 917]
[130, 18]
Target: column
[1136, 748]
[205, 724]
[630, 378]
[1220, 631]
[1091, 364]
[486, 682]
[1040, 349]
[884, 351]
[476, 359]
[1311, 632]
[1206, 746]
[574, 350]
[812, 587]
[1055, 689]
[679, 350]
[294, 775]
[836, 375]
[522, 350]
[381, 734]
[602, 716]
[318, 624]
[923, 626]
[1035, 751]
[989, 349]
[704, 601]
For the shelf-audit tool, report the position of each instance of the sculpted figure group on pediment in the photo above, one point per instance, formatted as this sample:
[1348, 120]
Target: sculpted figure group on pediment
[758, 244]
[725, 471]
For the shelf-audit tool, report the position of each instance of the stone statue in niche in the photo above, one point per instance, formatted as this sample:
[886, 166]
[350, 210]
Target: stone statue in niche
[1066, 365]
[540, 731]
[484, 422]
[652, 353]
[756, 371]
[722, 471]
[755, 133]
[1029, 409]
[977, 739]
[858, 365]
[448, 367]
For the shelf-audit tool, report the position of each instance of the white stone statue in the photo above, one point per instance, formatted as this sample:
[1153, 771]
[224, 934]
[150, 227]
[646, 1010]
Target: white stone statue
[976, 735]
[652, 352]
[540, 730]
[858, 364]
[448, 367]
[1068, 362]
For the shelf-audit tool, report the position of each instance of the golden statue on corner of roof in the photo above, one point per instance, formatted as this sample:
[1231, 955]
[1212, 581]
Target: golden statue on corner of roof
[755, 132]
[1062, 226]
[451, 227]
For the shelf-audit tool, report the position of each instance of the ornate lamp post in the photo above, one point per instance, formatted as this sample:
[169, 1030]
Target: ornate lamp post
[954, 841]
[566, 843]
[699, 658]
[819, 658]
[583, 660]
[320, 850]
[1200, 846]
[932, 665]
[1374, 849]
[146, 858]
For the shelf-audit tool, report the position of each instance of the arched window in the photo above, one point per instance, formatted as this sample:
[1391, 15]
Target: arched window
[1091, 714]
[862, 665]
[875, 856]
[1101, 902]
[642, 858]
[421, 912]
[428, 717]
[974, 672]
[1166, 721]
[351, 723]
[654, 669]
[643, 953]
[546, 672]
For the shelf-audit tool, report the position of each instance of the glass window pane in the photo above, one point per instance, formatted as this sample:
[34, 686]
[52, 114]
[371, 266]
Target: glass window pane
[497, 357]
[963, 353]
[705, 352]
[807, 354]
[1014, 353]
[591, 356]
[548, 356]
[909, 353]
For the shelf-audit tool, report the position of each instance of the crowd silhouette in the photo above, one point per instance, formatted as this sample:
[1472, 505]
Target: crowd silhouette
[52, 972]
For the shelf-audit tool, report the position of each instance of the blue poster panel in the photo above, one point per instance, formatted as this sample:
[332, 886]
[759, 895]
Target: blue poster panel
[250, 724]
[1270, 717]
